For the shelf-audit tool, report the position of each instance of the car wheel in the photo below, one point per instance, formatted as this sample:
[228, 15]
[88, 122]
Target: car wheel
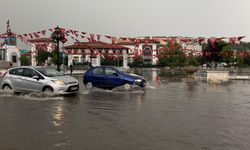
[127, 86]
[7, 88]
[89, 85]
[48, 90]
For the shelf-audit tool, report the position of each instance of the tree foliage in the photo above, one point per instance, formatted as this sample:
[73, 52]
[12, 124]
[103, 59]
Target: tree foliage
[42, 56]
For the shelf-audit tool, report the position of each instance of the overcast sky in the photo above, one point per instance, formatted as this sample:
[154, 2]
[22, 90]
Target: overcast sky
[194, 18]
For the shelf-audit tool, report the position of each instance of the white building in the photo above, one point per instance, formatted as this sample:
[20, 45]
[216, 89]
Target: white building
[40, 44]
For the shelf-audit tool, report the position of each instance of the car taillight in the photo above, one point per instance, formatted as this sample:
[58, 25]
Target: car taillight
[4, 73]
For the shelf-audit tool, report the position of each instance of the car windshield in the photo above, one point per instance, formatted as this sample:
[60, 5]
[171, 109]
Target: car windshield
[49, 72]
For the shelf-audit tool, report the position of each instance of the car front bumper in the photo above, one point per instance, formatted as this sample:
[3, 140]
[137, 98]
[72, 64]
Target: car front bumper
[66, 89]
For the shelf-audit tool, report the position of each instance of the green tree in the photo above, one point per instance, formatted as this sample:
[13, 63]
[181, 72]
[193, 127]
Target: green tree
[25, 61]
[227, 54]
[138, 62]
[172, 57]
[54, 58]
[42, 56]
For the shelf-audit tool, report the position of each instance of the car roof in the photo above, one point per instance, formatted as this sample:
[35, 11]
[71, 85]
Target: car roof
[31, 67]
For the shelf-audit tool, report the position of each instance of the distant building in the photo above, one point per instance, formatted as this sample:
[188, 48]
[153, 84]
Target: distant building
[93, 51]
[40, 44]
[9, 52]
[142, 46]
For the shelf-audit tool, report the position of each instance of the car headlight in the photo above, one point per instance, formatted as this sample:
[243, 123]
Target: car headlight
[138, 80]
[60, 82]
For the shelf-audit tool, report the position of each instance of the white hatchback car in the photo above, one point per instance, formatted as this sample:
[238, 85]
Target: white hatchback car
[38, 79]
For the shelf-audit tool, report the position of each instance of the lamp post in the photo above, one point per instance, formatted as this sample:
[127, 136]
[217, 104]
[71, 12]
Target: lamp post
[57, 36]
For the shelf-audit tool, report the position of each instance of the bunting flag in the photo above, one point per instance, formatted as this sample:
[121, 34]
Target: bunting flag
[146, 42]
[98, 37]
[212, 41]
[200, 40]
[43, 32]
[30, 35]
[89, 39]
[92, 37]
[36, 35]
[240, 37]
[83, 37]
[113, 39]
[64, 40]
[232, 40]
[109, 37]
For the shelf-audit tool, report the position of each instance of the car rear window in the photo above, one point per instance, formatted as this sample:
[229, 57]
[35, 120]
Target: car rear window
[17, 71]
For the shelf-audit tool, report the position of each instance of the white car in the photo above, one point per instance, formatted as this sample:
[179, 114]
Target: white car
[38, 79]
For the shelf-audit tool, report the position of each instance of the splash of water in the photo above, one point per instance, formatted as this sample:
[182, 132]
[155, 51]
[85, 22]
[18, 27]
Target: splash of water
[31, 96]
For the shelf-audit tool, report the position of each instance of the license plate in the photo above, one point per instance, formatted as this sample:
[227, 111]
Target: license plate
[74, 88]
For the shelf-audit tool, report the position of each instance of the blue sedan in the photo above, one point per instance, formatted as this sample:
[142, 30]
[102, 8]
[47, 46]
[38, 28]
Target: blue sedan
[109, 77]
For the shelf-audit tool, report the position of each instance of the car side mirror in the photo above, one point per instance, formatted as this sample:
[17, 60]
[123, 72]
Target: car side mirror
[36, 77]
[115, 74]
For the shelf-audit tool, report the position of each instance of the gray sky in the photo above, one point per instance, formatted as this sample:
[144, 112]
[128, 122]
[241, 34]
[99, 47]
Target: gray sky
[119, 18]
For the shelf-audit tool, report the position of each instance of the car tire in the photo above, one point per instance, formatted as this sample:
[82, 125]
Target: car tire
[127, 86]
[89, 85]
[7, 88]
[48, 90]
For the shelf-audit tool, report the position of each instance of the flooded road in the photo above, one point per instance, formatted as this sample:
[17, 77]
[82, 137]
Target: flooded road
[171, 113]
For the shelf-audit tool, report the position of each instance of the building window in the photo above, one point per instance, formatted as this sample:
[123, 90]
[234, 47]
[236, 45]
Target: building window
[14, 60]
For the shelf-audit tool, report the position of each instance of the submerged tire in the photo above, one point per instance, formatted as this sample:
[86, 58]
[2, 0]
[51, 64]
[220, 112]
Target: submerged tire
[48, 90]
[127, 86]
[89, 85]
[7, 88]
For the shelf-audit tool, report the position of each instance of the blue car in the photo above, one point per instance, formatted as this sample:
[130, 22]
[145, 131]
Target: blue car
[109, 77]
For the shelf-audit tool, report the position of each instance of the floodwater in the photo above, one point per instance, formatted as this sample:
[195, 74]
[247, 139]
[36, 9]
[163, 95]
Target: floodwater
[171, 113]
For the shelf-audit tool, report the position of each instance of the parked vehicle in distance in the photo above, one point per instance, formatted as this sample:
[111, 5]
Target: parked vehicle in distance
[38, 79]
[109, 77]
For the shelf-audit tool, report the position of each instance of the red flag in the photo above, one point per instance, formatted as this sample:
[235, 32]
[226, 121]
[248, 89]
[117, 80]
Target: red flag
[240, 37]
[212, 41]
[146, 41]
[64, 40]
[113, 40]
[43, 32]
[98, 37]
[232, 40]
[75, 32]
[200, 40]
[30, 35]
[36, 35]
[92, 37]
[109, 37]
[82, 36]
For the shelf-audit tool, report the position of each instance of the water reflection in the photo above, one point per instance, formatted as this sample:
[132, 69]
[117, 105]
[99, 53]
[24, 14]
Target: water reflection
[58, 114]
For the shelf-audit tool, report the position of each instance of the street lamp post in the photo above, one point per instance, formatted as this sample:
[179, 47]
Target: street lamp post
[57, 36]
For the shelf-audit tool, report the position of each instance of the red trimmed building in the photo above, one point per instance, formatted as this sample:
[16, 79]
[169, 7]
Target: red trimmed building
[40, 44]
[93, 51]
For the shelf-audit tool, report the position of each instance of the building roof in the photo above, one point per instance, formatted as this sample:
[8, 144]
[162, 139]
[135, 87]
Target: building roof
[41, 40]
[152, 41]
[94, 45]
